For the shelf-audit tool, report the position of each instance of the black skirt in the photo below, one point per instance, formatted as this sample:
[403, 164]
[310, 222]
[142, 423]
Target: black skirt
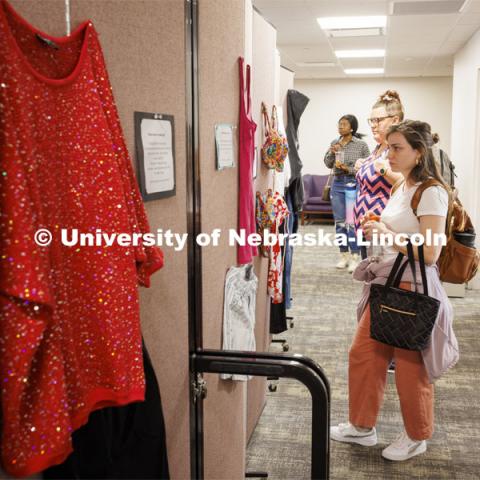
[120, 442]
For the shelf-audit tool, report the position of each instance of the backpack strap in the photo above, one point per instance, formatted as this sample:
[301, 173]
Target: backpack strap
[431, 182]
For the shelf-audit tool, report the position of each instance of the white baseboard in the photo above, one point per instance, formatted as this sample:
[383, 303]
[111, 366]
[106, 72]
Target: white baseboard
[474, 284]
[454, 290]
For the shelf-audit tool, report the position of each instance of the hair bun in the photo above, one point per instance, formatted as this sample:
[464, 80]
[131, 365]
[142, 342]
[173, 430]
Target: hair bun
[390, 96]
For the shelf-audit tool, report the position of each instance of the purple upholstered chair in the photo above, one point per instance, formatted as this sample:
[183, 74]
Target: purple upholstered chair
[313, 203]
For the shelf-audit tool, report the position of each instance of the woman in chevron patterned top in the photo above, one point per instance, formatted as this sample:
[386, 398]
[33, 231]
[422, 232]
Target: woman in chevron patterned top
[374, 175]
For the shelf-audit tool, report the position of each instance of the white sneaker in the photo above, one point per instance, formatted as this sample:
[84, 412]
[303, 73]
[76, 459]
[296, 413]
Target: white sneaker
[404, 448]
[344, 259]
[353, 262]
[346, 432]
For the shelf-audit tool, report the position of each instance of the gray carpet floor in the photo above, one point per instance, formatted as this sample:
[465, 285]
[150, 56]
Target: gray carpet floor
[324, 315]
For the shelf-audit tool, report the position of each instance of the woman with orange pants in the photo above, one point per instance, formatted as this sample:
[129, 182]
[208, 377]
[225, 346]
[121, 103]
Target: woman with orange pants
[410, 154]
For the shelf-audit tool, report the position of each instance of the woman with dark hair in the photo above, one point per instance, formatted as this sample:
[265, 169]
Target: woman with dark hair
[341, 158]
[410, 154]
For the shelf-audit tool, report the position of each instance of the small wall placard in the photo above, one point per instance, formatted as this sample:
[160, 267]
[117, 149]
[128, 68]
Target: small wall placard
[224, 146]
[155, 149]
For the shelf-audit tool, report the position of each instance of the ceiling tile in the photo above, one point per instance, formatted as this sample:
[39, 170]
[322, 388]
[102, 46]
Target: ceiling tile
[350, 43]
[427, 32]
[421, 21]
[413, 43]
[443, 61]
[412, 48]
[469, 19]
[362, 62]
[473, 7]
[329, 72]
[276, 10]
[450, 48]
[337, 8]
[461, 33]
[300, 33]
[309, 53]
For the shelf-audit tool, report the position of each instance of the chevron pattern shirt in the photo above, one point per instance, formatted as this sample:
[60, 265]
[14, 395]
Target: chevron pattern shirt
[373, 189]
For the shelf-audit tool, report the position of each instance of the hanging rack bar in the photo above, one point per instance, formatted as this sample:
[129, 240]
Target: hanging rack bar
[67, 17]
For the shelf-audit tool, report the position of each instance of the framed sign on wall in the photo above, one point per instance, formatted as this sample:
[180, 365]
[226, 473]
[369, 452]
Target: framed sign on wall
[155, 153]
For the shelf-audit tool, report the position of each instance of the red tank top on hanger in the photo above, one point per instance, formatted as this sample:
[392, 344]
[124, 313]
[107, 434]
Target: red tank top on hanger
[246, 157]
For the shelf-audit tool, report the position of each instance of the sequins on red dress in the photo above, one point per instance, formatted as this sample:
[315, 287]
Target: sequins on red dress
[70, 339]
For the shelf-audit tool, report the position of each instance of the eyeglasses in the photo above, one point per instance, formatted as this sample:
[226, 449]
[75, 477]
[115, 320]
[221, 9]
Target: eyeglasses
[376, 121]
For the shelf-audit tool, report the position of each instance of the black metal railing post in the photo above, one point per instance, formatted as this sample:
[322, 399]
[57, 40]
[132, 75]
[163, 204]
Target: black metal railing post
[297, 367]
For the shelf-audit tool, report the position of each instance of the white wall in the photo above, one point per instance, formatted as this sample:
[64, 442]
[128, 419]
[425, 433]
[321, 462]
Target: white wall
[465, 123]
[466, 128]
[428, 99]
[287, 78]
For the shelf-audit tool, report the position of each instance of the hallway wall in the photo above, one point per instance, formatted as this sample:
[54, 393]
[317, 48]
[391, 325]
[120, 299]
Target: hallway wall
[428, 99]
[466, 126]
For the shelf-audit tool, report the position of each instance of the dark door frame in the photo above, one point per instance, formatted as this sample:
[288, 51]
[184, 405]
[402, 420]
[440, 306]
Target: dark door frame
[195, 342]
[201, 361]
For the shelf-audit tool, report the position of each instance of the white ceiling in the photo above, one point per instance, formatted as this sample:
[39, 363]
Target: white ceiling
[416, 44]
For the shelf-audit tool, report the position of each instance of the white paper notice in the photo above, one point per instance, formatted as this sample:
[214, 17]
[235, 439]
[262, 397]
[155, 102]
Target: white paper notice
[224, 146]
[157, 155]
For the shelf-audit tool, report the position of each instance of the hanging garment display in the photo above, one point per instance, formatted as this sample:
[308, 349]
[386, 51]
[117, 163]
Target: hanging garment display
[275, 147]
[239, 312]
[278, 311]
[246, 157]
[120, 442]
[70, 340]
[281, 179]
[265, 216]
[296, 104]
[271, 213]
[293, 229]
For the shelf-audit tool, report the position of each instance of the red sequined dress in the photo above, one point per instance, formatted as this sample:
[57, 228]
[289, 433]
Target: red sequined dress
[70, 339]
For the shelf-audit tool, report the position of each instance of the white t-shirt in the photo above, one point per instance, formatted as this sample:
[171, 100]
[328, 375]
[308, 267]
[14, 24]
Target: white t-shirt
[398, 215]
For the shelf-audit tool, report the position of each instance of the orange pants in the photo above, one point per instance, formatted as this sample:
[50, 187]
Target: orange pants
[367, 375]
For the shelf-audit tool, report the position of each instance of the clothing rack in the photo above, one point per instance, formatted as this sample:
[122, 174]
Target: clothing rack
[273, 381]
[68, 28]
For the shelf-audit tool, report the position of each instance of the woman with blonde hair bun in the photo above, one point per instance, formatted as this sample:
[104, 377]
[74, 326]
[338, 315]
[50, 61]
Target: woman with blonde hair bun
[374, 175]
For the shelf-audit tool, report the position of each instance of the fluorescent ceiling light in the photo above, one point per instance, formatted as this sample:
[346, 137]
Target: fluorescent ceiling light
[363, 71]
[360, 53]
[356, 32]
[337, 23]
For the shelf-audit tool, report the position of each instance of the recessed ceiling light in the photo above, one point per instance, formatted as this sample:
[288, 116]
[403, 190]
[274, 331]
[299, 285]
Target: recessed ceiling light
[363, 71]
[356, 32]
[360, 53]
[337, 23]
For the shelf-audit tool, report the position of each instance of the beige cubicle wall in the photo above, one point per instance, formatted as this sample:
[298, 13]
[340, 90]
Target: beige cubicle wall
[228, 29]
[144, 47]
[264, 39]
[221, 42]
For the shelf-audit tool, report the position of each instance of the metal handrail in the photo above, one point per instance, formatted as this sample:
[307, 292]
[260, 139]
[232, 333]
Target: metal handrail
[298, 367]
